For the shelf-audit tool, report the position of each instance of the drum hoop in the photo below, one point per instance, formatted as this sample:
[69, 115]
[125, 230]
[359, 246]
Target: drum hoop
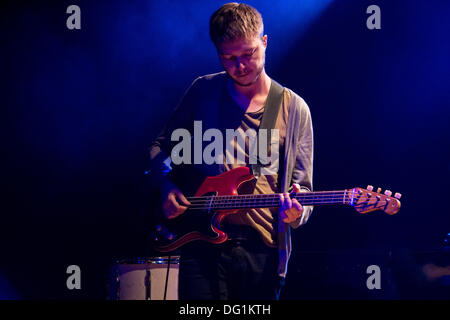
[150, 260]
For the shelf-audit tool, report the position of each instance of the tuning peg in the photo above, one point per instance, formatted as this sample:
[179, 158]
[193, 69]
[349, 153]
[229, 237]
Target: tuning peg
[397, 195]
[388, 193]
[378, 190]
[369, 187]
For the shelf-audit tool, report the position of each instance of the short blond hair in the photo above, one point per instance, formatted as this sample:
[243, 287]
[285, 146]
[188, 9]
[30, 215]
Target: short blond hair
[234, 21]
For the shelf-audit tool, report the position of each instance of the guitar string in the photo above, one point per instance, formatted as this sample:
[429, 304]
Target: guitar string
[249, 207]
[253, 198]
[274, 194]
[252, 201]
[269, 202]
[269, 205]
[318, 197]
[264, 196]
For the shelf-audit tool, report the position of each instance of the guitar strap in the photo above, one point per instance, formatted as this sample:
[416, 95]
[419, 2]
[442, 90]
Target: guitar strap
[269, 119]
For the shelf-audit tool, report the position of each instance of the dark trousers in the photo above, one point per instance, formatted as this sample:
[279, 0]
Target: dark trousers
[242, 268]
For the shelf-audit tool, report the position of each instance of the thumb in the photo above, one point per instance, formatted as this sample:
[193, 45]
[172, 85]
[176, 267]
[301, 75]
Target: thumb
[183, 199]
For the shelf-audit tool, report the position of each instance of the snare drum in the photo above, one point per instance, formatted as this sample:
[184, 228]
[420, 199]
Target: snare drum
[154, 278]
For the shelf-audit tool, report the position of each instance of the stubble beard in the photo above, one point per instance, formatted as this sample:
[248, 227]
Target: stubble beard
[258, 75]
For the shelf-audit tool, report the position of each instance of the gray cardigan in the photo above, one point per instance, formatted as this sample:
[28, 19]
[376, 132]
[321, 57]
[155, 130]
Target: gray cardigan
[298, 164]
[201, 102]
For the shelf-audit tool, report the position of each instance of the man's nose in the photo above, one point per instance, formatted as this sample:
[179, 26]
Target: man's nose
[239, 64]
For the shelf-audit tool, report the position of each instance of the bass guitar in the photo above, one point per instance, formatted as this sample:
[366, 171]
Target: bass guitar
[221, 195]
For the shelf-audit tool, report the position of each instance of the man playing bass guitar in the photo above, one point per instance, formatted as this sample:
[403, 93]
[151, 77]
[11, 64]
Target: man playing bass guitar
[252, 263]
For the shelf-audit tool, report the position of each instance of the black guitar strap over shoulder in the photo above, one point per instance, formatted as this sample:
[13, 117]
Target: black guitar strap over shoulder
[269, 119]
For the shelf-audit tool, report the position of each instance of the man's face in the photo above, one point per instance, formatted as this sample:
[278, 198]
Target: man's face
[243, 59]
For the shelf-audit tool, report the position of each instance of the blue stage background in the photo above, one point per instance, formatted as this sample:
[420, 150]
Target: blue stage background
[80, 108]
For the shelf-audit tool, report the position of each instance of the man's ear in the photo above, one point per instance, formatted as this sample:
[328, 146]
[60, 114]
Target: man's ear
[264, 40]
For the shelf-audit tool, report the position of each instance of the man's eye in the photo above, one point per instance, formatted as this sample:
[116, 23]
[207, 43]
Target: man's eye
[249, 54]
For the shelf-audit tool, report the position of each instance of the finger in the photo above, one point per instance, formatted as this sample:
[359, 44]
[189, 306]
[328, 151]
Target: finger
[177, 210]
[166, 209]
[284, 201]
[169, 212]
[293, 213]
[182, 198]
[288, 216]
[175, 205]
[173, 209]
[172, 202]
[287, 200]
[168, 201]
[296, 187]
[297, 206]
[283, 216]
[281, 196]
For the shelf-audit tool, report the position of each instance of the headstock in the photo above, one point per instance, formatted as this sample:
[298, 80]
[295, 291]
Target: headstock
[366, 200]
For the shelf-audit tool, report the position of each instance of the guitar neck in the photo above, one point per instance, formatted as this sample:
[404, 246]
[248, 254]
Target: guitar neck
[272, 200]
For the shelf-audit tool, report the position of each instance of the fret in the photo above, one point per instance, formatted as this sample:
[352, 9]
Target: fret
[272, 200]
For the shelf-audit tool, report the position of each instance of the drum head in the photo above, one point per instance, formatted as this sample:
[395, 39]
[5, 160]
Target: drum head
[148, 278]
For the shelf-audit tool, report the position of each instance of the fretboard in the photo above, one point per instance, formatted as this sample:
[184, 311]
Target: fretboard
[271, 200]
